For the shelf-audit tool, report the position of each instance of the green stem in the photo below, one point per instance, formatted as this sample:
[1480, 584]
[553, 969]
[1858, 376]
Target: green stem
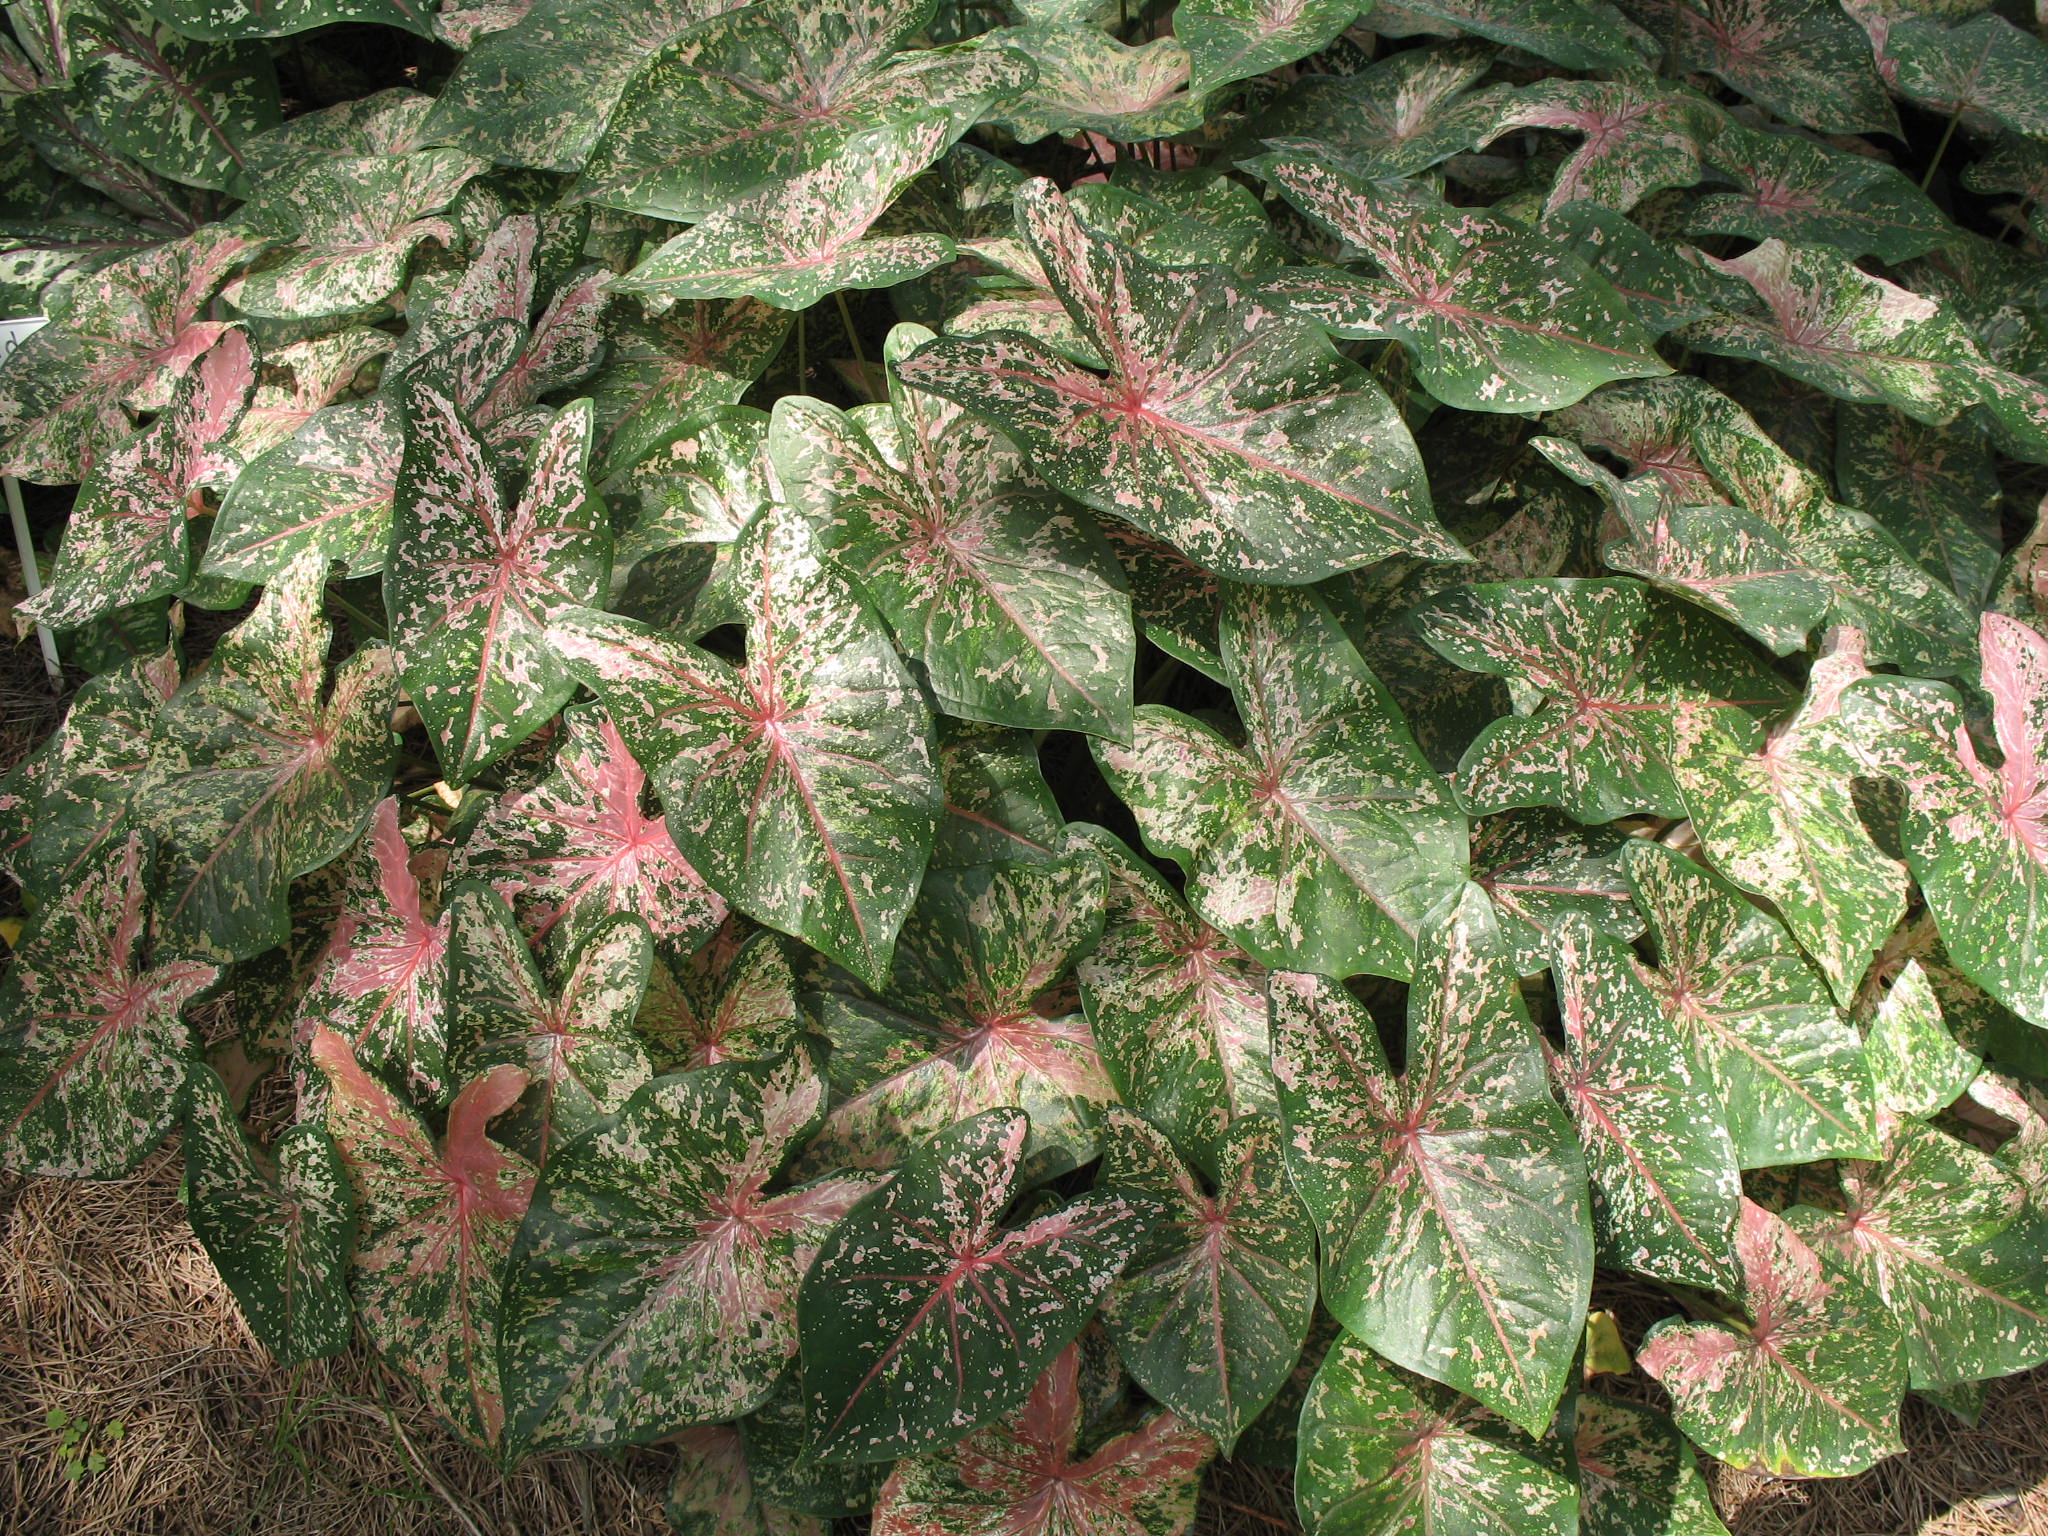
[860, 359]
[803, 363]
[1941, 149]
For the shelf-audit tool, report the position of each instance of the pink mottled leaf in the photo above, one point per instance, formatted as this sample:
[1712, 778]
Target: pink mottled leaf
[1235, 39]
[1542, 870]
[1797, 189]
[1804, 59]
[1224, 427]
[656, 1280]
[922, 1318]
[661, 370]
[1450, 1201]
[1400, 114]
[1636, 137]
[1812, 1386]
[713, 1492]
[101, 750]
[1637, 1475]
[1088, 82]
[434, 1227]
[1025, 1474]
[736, 999]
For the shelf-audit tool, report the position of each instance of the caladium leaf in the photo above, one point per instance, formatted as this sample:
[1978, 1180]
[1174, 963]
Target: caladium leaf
[656, 1278]
[659, 371]
[1383, 1451]
[321, 369]
[1664, 290]
[1973, 834]
[1409, 1179]
[1637, 1476]
[275, 1221]
[117, 341]
[575, 1042]
[796, 241]
[434, 1226]
[998, 806]
[1085, 81]
[1234, 39]
[101, 751]
[1326, 841]
[1025, 1475]
[93, 1073]
[1231, 431]
[359, 221]
[1797, 189]
[1566, 32]
[1915, 1064]
[1494, 317]
[1614, 670]
[1810, 1389]
[1985, 68]
[183, 108]
[381, 980]
[1179, 1011]
[1663, 1170]
[1175, 601]
[799, 784]
[764, 93]
[1639, 137]
[1210, 1313]
[701, 486]
[261, 770]
[965, 1035]
[1939, 1233]
[1803, 59]
[537, 93]
[1790, 1073]
[1934, 490]
[577, 848]
[382, 123]
[473, 582]
[226, 20]
[1005, 593]
[1399, 115]
[922, 1318]
[328, 488]
[713, 1492]
[128, 538]
[734, 1000]
[1776, 812]
[1542, 870]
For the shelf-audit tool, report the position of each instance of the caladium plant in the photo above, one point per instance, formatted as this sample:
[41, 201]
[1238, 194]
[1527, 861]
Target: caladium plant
[942, 758]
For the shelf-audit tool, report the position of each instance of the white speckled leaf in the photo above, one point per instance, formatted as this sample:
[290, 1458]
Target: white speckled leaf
[1637, 137]
[1803, 59]
[434, 1226]
[713, 1491]
[1451, 1201]
[1637, 1475]
[1024, 1475]
[1179, 1011]
[1810, 1389]
[1542, 869]
[216, 20]
[1662, 1166]
[656, 1278]
[998, 806]
[1230, 430]
[1234, 39]
[1088, 82]
[800, 784]
[327, 488]
[262, 769]
[1326, 841]
[1985, 68]
[923, 1318]
[1567, 32]
[1796, 189]
[275, 1221]
[474, 578]
[1494, 317]
[734, 1000]
[660, 370]
[1002, 590]
[1936, 491]
[1384, 1452]
[93, 1041]
[1400, 114]
[101, 750]
[1789, 1071]
[1915, 1063]
[702, 485]
[1210, 1313]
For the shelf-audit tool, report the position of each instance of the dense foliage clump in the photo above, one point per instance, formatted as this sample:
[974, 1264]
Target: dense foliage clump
[962, 752]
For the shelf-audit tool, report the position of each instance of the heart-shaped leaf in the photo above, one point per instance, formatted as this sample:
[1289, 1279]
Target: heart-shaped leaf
[1794, 188]
[1400, 114]
[1543, 870]
[1915, 1063]
[1803, 59]
[327, 488]
[1234, 39]
[1935, 490]
[978, 952]
[1025, 1473]
[1636, 1473]
[713, 1492]
[1567, 32]
[1811, 1388]
[1325, 842]
[1494, 317]
[1663, 1170]
[575, 1042]
[1450, 1201]
[93, 1073]
[661, 370]
[734, 1000]
[183, 108]
[1005, 593]
[577, 848]
[1210, 1313]
[276, 1222]
[102, 749]
[655, 1283]
[800, 784]
[261, 770]
[923, 1318]
[434, 1226]
[474, 582]
[1085, 81]
[998, 806]
[1638, 137]
[1383, 1452]
[217, 20]
[1789, 1070]
[1231, 431]
[1984, 68]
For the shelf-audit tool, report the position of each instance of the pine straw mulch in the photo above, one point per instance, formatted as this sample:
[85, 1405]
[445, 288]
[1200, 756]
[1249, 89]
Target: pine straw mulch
[109, 1310]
